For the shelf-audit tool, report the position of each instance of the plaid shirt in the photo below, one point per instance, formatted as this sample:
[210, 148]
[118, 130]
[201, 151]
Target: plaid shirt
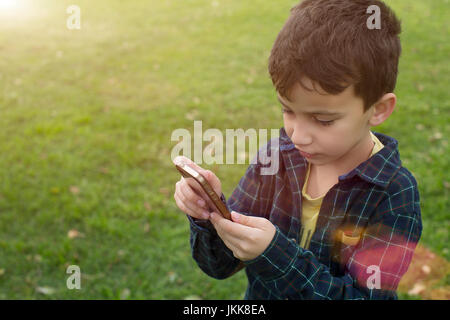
[377, 202]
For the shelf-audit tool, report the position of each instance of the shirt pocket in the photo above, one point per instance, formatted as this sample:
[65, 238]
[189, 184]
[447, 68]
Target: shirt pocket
[349, 238]
[345, 244]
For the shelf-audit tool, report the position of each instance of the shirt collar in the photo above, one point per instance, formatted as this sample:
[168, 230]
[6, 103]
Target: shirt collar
[378, 169]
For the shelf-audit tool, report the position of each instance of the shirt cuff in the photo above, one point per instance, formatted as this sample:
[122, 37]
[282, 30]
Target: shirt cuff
[277, 259]
[200, 224]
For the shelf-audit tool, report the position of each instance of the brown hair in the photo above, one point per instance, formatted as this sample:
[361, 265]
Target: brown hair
[329, 42]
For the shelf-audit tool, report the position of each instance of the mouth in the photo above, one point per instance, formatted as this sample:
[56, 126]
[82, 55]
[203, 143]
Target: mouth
[306, 155]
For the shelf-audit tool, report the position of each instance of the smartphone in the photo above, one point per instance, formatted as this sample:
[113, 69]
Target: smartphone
[188, 172]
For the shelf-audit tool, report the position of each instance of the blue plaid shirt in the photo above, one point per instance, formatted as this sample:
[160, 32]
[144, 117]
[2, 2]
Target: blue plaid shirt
[377, 203]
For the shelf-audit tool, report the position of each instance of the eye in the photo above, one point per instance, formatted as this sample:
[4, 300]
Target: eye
[325, 123]
[286, 111]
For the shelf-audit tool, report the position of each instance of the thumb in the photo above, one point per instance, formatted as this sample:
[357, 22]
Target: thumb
[249, 221]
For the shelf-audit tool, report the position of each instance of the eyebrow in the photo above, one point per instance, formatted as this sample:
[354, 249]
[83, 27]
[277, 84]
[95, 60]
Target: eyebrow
[322, 112]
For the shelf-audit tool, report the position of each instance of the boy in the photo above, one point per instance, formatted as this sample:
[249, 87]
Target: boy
[341, 218]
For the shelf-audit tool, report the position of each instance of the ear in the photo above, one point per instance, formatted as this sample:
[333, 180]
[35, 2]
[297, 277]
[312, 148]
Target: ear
[382, 109]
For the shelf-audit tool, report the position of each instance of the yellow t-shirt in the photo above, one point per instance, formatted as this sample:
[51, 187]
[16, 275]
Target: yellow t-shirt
[311, 207]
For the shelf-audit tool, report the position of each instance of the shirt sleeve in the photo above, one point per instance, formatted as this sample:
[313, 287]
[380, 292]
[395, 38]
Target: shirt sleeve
[209, 251]
[372, 270]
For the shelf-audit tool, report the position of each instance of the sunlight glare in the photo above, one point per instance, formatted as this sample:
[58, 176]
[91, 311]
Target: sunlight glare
[6, 4]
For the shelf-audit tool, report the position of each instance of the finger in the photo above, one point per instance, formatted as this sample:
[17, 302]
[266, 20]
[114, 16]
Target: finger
[232, 229]
[233, 244]
[230, 245]
[199, 191]
[191, 193]
[183, 208]
[193, 210]
[181, 204]
[191, 199]
[231, 241]
[249, 221]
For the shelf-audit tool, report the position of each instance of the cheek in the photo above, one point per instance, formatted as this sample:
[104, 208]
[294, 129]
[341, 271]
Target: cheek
[288, 126]
[334, 141]
[330, 144]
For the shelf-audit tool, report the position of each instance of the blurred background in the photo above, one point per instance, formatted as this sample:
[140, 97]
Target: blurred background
[86, 117]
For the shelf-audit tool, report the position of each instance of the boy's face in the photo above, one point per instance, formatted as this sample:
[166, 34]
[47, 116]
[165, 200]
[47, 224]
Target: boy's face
[335, 140]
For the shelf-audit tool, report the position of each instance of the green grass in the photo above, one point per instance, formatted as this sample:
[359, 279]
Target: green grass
[95, 108]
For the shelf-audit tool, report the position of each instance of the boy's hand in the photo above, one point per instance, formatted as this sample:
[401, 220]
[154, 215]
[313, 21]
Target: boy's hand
[189, 195]
[246, 236]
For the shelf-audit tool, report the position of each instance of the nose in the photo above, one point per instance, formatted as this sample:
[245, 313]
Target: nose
[301, 135]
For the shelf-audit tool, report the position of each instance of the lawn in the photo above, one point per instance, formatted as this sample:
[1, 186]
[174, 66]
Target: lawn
[86, 123]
